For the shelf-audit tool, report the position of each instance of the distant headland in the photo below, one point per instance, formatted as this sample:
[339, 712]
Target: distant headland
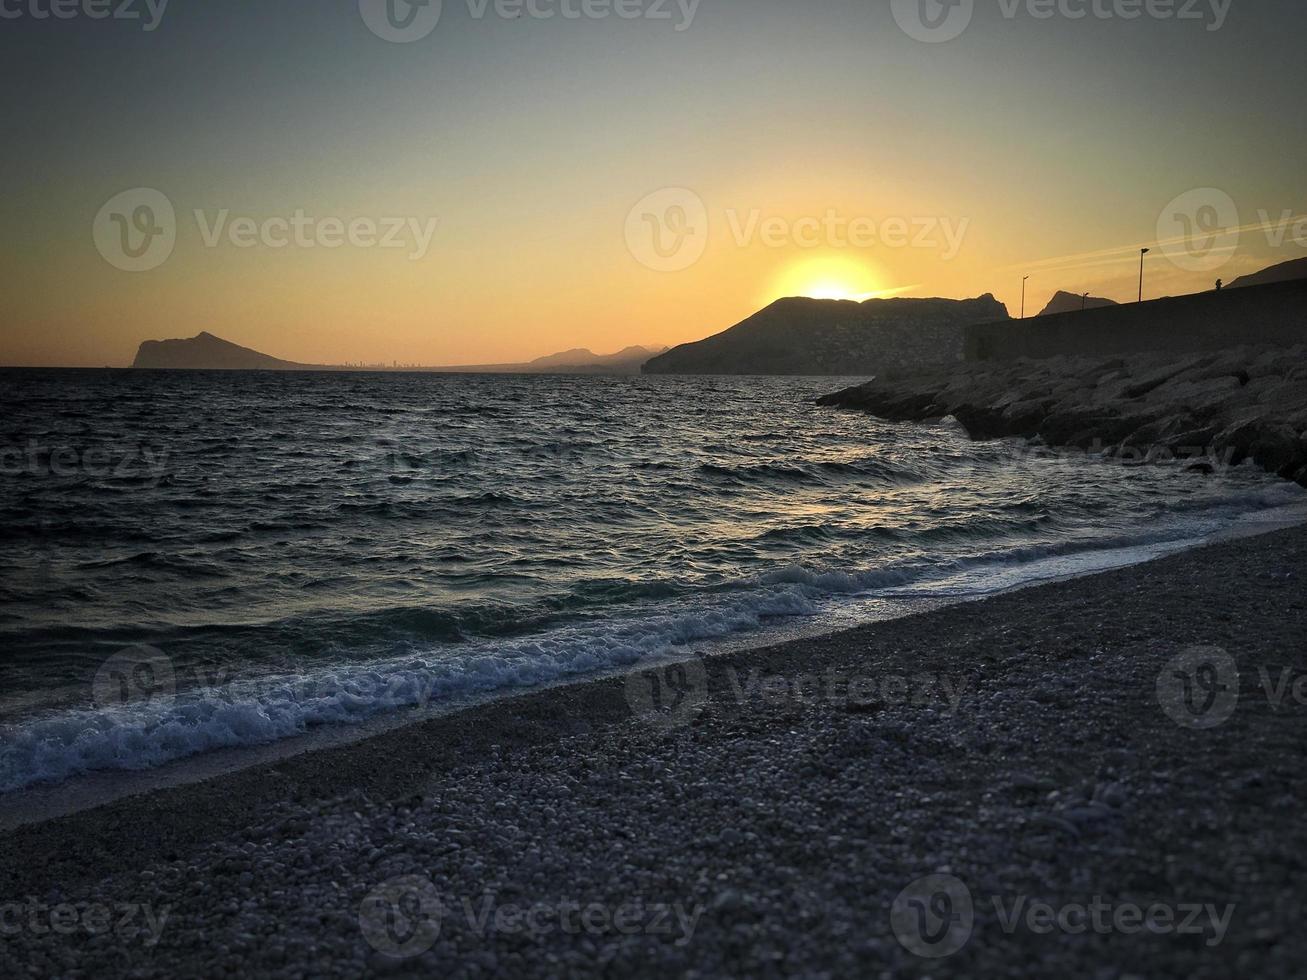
[206, 352]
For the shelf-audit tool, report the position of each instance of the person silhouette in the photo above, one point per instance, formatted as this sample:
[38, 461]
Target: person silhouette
[1219, 284]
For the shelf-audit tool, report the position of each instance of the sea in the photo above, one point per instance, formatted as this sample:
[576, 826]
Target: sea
[199, 562]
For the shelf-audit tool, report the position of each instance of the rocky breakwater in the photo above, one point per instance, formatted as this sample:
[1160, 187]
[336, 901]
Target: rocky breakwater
[1224, 406]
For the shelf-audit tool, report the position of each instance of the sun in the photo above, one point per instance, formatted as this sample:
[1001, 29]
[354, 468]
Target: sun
[830, 277]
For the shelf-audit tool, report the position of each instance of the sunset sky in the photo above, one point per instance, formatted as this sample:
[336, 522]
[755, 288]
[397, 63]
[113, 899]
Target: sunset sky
[1051, 147]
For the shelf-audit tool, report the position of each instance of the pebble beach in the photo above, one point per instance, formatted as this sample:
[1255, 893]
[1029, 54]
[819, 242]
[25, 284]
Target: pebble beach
[1098, 777]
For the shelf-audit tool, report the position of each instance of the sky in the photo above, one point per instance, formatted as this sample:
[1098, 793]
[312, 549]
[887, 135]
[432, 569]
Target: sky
[339, 181]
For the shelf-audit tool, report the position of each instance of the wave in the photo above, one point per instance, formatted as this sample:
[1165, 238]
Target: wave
[247, 712]
[253, 712]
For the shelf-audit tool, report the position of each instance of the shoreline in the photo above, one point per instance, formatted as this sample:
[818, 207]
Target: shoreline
[94, 789]
[1052, 686]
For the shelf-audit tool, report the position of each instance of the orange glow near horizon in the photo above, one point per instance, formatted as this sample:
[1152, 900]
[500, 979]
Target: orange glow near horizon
[830, 277]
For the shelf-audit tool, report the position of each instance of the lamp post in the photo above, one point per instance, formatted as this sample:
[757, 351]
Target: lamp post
[1084, 300]
[1142, 253]
[1023, 298]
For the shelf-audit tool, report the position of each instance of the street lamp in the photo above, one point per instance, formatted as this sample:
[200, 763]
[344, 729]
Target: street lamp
[1023, 298]
[1142, 253]
[1084, 300]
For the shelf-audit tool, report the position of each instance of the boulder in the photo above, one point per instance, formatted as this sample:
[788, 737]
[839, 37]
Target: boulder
[1238, 436]
[1087, 426]
[984, 422]
[1228, 406]
[1026, 416]
[1278, 450]
[1285, 397]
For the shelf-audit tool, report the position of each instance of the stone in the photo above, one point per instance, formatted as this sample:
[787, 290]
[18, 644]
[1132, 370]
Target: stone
[1278, 450]
[1153, 405]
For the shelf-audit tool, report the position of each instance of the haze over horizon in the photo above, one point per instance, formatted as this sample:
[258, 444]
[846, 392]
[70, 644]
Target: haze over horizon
[529, 162]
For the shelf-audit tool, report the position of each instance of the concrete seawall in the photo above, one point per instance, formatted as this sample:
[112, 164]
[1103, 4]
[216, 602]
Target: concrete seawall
[1274, 315]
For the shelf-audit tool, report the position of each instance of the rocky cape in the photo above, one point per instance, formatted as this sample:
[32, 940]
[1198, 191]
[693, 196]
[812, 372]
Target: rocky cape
[800, 336]
[205, 352]
[1217, 408]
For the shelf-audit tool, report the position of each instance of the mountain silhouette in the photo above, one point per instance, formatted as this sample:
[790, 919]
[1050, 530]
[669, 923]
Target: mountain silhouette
[835, 337]
[579, 360]
[205, 352]
[1064, 302]
[1284, 272]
